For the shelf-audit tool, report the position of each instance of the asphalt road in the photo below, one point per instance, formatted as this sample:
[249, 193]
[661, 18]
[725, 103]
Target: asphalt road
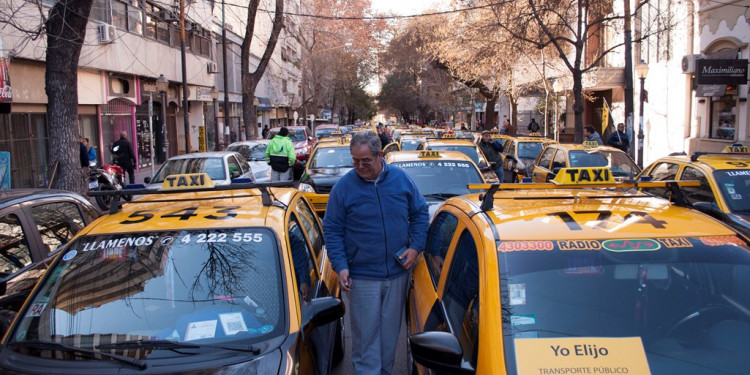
[345, 367]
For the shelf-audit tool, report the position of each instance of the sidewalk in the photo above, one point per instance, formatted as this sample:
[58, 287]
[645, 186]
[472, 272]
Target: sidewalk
[143, 173]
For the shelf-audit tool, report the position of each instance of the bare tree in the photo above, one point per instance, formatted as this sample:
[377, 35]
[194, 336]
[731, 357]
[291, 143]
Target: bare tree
[250, 80]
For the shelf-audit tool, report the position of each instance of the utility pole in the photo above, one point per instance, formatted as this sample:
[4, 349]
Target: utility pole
[226, 78]
[184, 78]
[628, 79]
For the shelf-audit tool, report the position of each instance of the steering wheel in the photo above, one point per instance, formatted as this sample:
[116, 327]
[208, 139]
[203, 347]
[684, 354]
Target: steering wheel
[712, 313]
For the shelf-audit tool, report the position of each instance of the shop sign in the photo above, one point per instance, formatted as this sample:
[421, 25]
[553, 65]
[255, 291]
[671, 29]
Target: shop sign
[721, 72]
[711, 90]
[6, 94]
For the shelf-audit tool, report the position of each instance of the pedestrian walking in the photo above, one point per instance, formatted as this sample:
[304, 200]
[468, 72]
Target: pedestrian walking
[124, 156]
[264, 134]
[492, 149]
[91, 152]
[533, 126]
[375, 227]
[619, 139]
[384, 139]
[280, 156]
[83, 155]
[590, 135]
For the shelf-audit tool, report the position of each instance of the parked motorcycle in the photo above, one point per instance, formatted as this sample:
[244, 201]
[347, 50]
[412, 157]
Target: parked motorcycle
[106, 178]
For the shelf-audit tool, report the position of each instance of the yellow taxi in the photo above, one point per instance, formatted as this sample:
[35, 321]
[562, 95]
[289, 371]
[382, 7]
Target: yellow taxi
[406, 141]
[724, 190]
[555, 279]
[520, 153]
[439, 175]
[329, 161]
[193, 278]
[557, 156]
[464, 146]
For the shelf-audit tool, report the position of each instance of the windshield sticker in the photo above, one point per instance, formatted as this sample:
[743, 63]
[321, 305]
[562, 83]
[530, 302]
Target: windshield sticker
[517, 294]
[675, 242]
[114, 254]
[221, 237]
[205, 329]
[232, 323]
[722, 240]
[631, 245]
[525, 246]
[119, 243]
[579, 245]
[736, 197]
[412, 165]
[582, 266]
[522, 320]
[453, 164]
[526, 335]
[581, 355]
[36, 310]
[738, 173]
[70, 255]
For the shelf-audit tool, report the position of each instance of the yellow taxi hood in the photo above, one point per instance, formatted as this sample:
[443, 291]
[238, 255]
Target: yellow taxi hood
[572, 215]
[232, 208]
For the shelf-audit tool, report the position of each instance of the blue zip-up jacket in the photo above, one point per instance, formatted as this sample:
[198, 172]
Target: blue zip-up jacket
[366, 223]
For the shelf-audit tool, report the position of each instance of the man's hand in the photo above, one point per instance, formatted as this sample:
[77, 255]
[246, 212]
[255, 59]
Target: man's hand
[437, 262]
[303, 291]
[411, 258]
[345, 282]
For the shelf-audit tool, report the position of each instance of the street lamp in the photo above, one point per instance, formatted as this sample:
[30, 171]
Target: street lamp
[276, 108]
[214, 98]
[642, 71]
[162, 140]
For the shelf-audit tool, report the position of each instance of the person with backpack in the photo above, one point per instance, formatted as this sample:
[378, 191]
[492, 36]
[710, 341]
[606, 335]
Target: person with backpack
[124, 156]
[280, 156]
[533, 126]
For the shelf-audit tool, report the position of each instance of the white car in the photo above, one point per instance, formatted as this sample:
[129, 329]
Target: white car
[221, 166]
[255, 154]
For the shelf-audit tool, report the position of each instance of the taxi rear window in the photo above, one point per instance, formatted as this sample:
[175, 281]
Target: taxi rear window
[529, 150]
[331, 157]
[735, 187]
[197, 286]
[686, 300]
[470, 151]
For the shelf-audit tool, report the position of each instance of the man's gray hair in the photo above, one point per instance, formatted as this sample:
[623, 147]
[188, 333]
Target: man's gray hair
[368, 138]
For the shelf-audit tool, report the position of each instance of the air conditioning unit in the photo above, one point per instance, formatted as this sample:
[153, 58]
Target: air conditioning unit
[166, 16]
[106, 33]
[212, 67]
[688, 63]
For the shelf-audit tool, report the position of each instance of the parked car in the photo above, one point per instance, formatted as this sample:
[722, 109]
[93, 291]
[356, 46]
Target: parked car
[301, 138]
[254, 152]
[556, 156]
[221, 166]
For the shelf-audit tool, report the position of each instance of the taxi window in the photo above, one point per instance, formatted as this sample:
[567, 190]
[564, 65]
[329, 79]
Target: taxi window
[662, 172]
[559, 161]
[735, 187]
[234, 165]
[511, 148]
[438, 240]
[546, 158]
[213, 166]
[696, 194]
[57, 223]
[529, 150]
[470, 151]
[198, 286]
[310, 225]
[304, 264]
[390, 148]
[243, 163]
[461, 296]
[580, 159]
[442, 176]
[14, 247]
[331, 157]
[254, 152]
[620, 164]
[410, 144]
[686, 299]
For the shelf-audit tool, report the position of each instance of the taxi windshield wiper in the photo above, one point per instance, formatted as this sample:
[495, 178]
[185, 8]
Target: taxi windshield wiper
[442, 196]
[174, 346]
[52, 345]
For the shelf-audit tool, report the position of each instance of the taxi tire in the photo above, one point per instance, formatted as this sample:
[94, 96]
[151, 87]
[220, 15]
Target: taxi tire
[104, 202]
[339, 344]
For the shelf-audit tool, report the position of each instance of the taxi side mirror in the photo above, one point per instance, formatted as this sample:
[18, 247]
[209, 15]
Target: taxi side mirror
[147, 180]
[321, 311]
[439, 351]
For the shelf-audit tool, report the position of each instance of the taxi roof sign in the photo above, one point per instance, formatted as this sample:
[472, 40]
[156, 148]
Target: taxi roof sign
[736, 148]
[429, 154]
[535, 134]
[584, 176]
[590, 144]
[448, 135]
[187, 181]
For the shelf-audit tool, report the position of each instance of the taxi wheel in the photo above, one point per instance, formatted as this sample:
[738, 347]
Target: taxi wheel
[104, 202]
[339, 346]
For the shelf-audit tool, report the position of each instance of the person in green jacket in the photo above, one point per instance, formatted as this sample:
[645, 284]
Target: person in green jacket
[280, 156]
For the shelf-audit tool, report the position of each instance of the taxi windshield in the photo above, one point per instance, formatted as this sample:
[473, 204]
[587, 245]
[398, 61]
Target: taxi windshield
[442, 176]
[620, 164]
[410, 144]
[470, 151]
[197, 286]
[251, 152]
[686, 300]
[581, 159]
[735, 187]
[529, 150]
[213, 166]
[331, 157]
[325, 132]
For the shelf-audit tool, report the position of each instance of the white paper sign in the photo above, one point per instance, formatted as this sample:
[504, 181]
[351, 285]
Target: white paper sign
[232, 323]
[201, 330]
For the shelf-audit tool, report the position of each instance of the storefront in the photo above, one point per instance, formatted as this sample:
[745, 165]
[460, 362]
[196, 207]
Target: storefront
[717, 81]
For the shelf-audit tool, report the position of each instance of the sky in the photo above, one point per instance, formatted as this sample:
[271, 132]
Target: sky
[404, 7]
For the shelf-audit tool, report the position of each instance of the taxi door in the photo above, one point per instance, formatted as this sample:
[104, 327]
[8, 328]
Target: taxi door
[542, 166]
[393, 146]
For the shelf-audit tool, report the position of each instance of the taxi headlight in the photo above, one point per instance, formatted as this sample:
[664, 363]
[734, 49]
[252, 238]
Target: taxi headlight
[306, 188]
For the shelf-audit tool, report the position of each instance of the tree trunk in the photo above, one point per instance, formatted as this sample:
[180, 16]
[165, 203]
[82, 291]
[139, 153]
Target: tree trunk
[66, 30]
[578, 106]
[513, 115]
[250, 80]
[490, 111]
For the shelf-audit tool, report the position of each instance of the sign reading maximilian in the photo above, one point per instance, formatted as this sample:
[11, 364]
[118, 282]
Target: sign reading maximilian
[721, 72]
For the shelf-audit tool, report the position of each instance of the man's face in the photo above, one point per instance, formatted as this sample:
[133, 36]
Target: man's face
[486, 138]
[367, 165]
[586, 132]
[621, 128]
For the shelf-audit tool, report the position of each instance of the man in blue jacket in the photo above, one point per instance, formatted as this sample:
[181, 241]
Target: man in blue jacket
[374, 212]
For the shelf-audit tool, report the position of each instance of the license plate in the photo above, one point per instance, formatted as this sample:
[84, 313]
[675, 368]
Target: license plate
[93, 184]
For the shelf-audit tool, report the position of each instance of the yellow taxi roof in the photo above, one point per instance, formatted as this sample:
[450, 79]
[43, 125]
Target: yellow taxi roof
[246, 203]
[535, 139]
[400, 156]
[576, 214]
[334, 142]
[578, 146]
[449, 141]
[711, 162]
